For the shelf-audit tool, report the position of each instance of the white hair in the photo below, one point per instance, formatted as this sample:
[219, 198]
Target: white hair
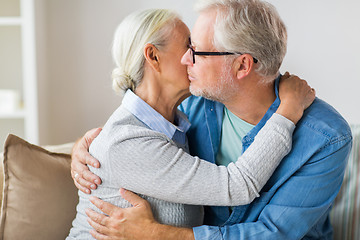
[249, 26]
[134, 32]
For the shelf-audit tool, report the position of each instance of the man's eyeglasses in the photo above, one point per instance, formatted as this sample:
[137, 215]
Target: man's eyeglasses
[193, 53]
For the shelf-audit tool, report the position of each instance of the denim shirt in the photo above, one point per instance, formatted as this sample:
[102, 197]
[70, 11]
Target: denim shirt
[295, 202]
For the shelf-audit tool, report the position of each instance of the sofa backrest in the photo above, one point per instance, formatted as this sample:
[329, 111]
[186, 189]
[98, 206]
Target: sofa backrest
[345, 214]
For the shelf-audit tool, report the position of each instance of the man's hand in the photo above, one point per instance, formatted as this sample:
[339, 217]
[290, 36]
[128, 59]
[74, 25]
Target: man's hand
[136, 222]
[84, 179]
[295, 95]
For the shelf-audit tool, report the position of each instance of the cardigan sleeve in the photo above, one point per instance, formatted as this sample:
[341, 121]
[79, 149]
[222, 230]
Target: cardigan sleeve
[148, 163]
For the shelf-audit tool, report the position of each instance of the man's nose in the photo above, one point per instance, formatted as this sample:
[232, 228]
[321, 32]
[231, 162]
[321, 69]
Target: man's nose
[186, 58]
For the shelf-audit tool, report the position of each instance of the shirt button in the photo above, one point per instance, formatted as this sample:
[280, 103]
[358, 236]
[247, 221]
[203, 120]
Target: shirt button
[211, 109]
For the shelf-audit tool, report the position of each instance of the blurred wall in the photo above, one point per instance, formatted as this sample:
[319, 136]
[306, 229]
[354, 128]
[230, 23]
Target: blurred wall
[324, 49]
[74, 60]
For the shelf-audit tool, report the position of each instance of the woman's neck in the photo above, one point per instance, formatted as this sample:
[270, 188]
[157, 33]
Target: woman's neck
[164, 99]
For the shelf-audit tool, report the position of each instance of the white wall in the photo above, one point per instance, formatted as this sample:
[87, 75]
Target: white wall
[74, 39]
[324, 49]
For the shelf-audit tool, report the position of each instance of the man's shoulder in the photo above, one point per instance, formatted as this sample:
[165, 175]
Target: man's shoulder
[195, 105]
[192, 102]
[324, 120]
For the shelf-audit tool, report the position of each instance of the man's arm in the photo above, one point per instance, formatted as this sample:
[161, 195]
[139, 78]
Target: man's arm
[84, 179]
[301, 202]
[290, 213]
[133, 223]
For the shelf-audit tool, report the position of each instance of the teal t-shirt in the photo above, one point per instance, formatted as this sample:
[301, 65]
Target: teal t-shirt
[232, 132]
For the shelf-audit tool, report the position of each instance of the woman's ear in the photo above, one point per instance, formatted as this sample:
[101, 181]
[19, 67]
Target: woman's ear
[151, 54]
[243, 65]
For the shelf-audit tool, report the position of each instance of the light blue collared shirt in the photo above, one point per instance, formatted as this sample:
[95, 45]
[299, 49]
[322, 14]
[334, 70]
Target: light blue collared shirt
[155, 121]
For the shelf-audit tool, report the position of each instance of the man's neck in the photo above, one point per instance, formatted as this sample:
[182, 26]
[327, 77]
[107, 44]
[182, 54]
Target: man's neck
[253, 102]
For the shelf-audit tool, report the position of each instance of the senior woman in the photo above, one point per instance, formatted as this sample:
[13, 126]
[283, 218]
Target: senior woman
[143, 146]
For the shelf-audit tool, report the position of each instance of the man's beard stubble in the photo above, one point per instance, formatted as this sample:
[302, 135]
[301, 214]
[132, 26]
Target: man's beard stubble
[221, 91]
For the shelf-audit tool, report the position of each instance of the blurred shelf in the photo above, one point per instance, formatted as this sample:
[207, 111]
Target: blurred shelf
[13, 115]
[17, 23]
[10, 21]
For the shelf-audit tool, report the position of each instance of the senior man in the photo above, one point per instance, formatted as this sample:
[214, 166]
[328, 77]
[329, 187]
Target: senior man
[239, 93]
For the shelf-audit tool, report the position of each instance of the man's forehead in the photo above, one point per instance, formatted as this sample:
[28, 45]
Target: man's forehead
[192, 40]
[203, 28]
[198, 37]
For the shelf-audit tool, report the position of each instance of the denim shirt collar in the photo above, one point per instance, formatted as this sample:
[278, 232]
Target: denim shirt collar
[154, 120]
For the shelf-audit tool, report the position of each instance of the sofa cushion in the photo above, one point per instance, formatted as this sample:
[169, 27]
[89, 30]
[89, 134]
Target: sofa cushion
[345, 214]
[1, 177]
[61, 148]
[39, 197]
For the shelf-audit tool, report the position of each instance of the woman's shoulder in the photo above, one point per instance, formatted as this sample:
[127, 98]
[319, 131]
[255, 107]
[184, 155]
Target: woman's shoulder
[123, 132]
[123, 125]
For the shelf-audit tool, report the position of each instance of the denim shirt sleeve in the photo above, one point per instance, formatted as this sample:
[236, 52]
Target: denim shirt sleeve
[296, 207]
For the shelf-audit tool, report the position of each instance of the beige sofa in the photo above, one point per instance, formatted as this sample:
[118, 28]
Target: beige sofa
[39, 198]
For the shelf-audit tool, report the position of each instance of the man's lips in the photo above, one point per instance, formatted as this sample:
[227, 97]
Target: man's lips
[191, 78]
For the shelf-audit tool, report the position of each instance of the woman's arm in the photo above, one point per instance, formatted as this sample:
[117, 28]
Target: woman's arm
[185, 176]
[146, 162]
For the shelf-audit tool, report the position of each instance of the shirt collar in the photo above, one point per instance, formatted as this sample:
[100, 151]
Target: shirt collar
[154, 120]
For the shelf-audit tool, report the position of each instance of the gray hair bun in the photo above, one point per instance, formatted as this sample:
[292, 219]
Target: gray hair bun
[122, 81]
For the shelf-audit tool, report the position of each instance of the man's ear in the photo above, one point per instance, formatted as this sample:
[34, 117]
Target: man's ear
[151, 54]
[243, 65]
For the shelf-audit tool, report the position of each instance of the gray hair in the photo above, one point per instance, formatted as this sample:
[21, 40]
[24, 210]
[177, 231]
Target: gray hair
[249, 26]
[134, 32]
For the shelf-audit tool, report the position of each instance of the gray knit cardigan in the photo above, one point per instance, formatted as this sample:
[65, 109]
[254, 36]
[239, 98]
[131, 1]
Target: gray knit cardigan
[176, 184]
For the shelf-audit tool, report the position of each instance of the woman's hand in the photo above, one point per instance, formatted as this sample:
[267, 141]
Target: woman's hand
[136, 222]
[295, 95]
[84, 179]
